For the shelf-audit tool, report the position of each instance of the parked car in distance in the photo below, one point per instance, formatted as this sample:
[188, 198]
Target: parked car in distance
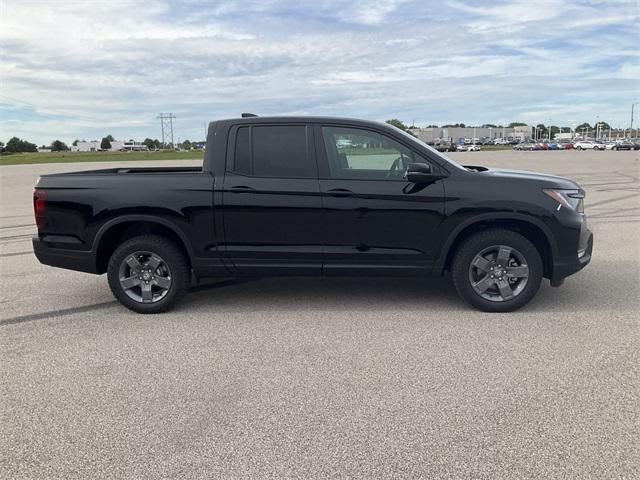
[288, 196]
[446, 147]
[620, 145]
[473, 148]
[462, 148]
[588, 145]
[526, 146]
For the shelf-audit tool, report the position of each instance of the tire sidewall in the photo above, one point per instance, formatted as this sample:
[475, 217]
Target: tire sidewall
[172, 256]
[474, 245]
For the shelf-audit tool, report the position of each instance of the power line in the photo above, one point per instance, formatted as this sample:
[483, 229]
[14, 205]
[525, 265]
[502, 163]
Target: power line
[166, 124]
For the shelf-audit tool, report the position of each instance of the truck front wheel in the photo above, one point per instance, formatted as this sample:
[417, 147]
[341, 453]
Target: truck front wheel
[148, 274]
[497, 270]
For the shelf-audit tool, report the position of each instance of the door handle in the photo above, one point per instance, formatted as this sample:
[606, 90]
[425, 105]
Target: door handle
[242, 189]
[339, 192]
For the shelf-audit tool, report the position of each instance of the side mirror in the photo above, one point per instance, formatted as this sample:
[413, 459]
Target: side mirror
[420, 173]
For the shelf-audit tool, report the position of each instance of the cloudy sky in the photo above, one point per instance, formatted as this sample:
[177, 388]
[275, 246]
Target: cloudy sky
[83, 69]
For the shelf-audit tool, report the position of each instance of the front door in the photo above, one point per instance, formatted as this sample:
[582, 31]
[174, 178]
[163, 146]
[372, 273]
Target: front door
[375, 222]
[272, 210]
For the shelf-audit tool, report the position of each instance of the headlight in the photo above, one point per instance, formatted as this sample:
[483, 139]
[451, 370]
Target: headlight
[572, 199]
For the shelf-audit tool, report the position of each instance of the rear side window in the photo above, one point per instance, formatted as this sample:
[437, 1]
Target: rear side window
[273, 151]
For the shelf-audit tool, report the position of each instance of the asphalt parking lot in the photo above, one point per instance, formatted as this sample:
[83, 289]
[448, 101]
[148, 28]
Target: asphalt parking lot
[321, 378]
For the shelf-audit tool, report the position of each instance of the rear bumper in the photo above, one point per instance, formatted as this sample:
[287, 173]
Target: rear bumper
[80, 260]
[566, 266]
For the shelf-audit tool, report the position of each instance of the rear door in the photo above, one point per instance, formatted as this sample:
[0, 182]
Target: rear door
[375, 221]
[272, 210]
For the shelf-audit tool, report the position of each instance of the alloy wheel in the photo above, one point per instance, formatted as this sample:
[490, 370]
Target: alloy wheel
[145, 277]
[499, 273]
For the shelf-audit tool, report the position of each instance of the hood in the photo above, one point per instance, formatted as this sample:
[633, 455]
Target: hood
[550, 181]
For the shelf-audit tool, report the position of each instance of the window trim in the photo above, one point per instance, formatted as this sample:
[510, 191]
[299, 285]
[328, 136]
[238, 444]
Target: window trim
[324, 169]
[231, 149]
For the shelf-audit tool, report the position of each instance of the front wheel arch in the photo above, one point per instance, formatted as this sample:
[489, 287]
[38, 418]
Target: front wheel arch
[533, 232]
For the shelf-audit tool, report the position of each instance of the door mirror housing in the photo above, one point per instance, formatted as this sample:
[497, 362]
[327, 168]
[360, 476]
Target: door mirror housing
[420, 173]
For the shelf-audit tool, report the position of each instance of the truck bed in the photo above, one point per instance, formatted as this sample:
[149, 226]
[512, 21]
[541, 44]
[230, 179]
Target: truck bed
[126, 170]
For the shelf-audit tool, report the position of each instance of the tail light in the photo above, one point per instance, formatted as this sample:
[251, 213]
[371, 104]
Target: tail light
[40, 207]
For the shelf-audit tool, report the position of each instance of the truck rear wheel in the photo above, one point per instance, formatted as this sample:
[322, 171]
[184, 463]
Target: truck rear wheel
[148, 274]
[497, 270]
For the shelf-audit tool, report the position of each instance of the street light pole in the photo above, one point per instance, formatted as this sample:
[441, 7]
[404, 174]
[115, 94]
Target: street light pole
[631, 129]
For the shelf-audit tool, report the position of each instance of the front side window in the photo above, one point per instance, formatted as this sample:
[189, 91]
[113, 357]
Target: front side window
[273, 151]
[354, 153]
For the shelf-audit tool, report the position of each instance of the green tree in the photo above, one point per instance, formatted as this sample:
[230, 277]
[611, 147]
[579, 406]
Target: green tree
[58, 146]
[454, 125]
[398, 124]
[186, 145]
[584, 125]
[16, 145]
[75, 142]
[542, 130]
[110, 138]
[105, 144]
[152, 144]
[517, 124]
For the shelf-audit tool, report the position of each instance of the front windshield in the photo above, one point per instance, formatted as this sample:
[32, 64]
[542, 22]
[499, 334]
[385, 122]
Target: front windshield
[432, 150]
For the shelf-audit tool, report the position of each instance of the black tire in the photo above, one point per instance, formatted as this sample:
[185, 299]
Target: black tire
[578, 147]
[467, 252]
[172, 257]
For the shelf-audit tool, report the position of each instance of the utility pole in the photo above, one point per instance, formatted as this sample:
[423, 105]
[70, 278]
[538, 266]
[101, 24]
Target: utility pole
[166, 124]
[631, 129]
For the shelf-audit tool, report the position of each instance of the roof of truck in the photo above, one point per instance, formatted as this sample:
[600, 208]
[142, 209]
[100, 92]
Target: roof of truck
[301, 119]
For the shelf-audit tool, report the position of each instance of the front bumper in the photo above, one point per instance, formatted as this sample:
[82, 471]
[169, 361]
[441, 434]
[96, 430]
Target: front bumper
[566, 266]
[80, 260]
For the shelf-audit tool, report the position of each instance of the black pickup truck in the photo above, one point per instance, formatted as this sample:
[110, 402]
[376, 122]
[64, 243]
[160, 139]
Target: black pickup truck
[313, 196]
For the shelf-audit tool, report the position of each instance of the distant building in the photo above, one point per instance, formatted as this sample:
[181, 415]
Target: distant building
[454, 134]
[523, 132]
[116, 146]
[93, 146]
[133, 146]
[565, 136]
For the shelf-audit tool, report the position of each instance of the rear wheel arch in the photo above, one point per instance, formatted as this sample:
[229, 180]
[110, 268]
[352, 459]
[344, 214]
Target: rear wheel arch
[531, 229]
[114, 233]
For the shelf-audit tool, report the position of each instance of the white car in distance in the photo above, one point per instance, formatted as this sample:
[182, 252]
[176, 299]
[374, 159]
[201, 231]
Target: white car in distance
[588, 145]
